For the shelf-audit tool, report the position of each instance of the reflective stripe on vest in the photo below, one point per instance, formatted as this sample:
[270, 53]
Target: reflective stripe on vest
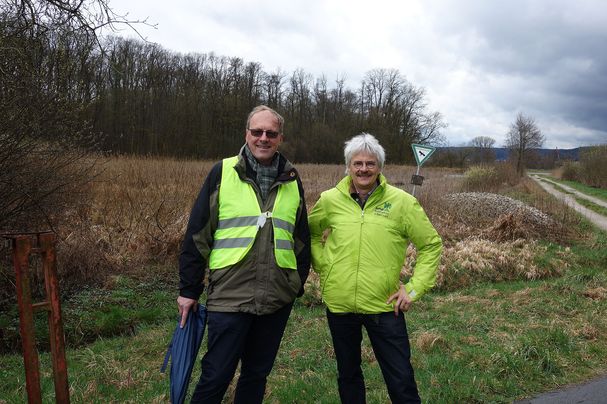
[240, 218]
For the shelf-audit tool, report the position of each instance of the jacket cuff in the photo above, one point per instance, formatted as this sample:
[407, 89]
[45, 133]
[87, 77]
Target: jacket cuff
[412, 292]
[190, 294]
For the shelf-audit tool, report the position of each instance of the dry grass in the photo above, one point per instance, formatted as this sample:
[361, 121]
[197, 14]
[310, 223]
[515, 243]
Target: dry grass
[135, 214]
[570, 221]
[140, 207]
[474, 260]
[427, 340]
[477, 260]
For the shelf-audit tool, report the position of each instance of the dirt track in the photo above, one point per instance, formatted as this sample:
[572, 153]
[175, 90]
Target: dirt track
[597, 219]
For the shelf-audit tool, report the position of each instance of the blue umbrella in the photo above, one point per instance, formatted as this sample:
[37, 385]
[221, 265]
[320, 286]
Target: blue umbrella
[183, 350]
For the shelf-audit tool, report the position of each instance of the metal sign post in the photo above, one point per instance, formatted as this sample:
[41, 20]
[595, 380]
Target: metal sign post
[44, 244]
[421, 153]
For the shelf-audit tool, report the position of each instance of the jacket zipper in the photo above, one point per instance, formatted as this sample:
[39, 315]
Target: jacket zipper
[360, 237]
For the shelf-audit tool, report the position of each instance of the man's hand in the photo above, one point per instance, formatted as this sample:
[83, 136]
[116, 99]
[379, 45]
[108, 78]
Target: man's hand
[185, 304]
[403, 301]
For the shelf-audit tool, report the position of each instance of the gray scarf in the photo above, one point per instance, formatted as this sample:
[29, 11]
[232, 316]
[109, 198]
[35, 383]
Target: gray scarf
[266, 175]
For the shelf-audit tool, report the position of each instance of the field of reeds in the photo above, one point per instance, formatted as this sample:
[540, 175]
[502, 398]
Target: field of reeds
[134, 214]
[139, 209]
[487, 333]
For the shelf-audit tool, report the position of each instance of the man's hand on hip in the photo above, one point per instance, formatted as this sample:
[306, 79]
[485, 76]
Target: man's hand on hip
[402, 301]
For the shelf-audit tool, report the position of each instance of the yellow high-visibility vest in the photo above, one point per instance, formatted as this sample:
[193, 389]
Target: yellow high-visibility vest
[240, 218]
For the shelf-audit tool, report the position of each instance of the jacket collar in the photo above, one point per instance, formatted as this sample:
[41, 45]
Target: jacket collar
[344, 185]
[286, 171]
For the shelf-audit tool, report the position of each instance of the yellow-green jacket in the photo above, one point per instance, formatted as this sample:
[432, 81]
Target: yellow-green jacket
[360, 262]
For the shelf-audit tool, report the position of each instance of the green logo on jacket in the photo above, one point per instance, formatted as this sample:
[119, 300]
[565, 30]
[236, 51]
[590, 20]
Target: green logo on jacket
[383, 210]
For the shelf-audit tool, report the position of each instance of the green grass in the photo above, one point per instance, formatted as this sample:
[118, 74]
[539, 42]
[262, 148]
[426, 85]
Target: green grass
[494, 342]
[582, 201]
[95, 313]
[592, 206]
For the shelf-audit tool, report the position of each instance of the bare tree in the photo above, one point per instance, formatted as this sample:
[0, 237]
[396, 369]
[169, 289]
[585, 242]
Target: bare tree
[524, 136]
[483, 149]
[88, 17]
[273, 84]
[482, 142]
[48, 56]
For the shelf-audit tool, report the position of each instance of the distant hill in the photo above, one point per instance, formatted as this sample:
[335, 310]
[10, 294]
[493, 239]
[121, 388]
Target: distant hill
[501, 153]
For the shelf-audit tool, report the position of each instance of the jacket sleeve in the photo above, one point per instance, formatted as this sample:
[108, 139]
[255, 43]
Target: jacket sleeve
[302, 234]
[429, 248]
[318, 223]
[198, 241]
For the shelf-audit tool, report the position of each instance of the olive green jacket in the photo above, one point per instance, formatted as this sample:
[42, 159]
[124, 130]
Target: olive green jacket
[256, 284]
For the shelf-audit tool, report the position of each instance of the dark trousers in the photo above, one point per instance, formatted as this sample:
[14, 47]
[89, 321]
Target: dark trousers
[390, 342]
[252, 339]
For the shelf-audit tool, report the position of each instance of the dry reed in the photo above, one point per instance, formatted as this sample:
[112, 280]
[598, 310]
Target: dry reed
[140, 208]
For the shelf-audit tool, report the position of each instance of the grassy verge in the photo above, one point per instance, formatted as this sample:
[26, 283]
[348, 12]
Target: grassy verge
[557, 187]
[493, 342]
[584, 202]
[592, 206]
[596, 192]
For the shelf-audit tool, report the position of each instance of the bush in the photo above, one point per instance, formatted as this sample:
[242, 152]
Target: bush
[479, 178]
[593, 170]
[475, 260]
[123, 305]
[571, 171]
[507, 174]
[490, 178]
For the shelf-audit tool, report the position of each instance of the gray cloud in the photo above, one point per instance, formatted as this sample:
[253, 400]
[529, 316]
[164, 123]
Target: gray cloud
[480, 61]
[550, 52]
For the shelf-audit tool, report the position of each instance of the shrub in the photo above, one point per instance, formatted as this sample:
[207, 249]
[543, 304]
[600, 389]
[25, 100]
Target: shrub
[479, 178]
[507, 174]
[53, 195]
[475, 260]
[593, 170]
[570, 171]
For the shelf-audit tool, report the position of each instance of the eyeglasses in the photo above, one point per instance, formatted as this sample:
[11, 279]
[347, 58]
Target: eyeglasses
[259, 133]
[360, 164]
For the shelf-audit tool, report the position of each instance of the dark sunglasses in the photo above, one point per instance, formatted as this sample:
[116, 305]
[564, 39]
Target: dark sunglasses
[259, 133]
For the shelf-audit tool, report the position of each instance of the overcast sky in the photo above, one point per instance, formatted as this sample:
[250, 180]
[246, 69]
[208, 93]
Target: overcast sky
[480, 61]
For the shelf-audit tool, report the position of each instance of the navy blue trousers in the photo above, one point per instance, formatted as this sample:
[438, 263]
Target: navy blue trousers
[232, 337]
[390, 342]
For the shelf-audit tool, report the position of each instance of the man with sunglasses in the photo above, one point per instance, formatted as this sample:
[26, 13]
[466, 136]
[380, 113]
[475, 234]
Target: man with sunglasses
[249, 227]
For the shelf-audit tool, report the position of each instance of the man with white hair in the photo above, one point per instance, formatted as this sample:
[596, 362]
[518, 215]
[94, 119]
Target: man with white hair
[359, 263]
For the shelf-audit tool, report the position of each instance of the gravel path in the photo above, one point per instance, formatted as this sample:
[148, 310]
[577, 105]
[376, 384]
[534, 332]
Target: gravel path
[577, 193]
[597, 219]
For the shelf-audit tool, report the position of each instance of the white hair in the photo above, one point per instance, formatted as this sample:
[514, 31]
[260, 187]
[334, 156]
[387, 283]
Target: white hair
[366, 143]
